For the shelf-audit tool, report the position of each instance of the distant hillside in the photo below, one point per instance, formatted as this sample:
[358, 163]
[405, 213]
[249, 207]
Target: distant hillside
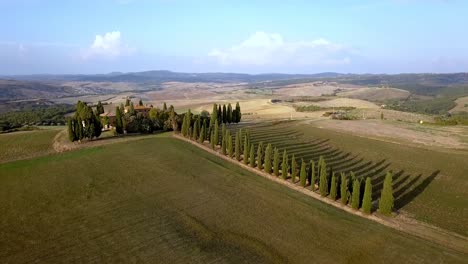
[168, 76]
[16, 90]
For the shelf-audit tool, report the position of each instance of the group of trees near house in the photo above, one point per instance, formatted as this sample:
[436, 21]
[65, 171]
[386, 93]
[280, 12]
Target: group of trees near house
[348, 188]
[85, 123]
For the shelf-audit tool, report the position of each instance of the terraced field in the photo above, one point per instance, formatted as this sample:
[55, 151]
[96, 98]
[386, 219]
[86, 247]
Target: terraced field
[440, 202]
[161, 200]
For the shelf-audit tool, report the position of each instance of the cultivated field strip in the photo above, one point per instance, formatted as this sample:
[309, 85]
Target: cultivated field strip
[307, 148]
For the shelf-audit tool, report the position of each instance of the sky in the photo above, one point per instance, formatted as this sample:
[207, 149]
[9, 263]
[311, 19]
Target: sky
[347, 36]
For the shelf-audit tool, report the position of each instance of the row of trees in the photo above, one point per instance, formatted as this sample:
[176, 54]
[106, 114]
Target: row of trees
[227, 114]
[349, 189]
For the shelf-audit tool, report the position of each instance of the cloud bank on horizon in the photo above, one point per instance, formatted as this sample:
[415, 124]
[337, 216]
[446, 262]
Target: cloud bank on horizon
[389, 36]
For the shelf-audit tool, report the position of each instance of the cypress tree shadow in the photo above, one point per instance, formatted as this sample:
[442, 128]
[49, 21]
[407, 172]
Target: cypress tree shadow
[403, 200]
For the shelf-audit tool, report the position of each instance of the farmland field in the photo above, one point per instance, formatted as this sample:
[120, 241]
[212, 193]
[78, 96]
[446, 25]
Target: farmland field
[28, 144]
[161, 200]
[430, 184]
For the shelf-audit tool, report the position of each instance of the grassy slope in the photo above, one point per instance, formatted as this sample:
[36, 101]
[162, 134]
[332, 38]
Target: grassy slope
[442, 203]
[22, 145]
[135, 201]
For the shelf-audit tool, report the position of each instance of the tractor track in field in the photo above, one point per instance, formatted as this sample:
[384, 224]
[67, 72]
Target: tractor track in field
[400, 222]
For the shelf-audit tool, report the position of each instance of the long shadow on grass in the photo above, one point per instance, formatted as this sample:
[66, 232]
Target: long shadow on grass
[406, 198]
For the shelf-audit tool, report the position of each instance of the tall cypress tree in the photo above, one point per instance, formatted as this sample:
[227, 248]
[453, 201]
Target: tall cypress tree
[99, 108]
[303, 174]
[229, 144]
[224, 114]
[276, 162]
[252, 156]
[196, 129]
[229, 113]
[356, 194]
[127, 102]
[223, 146]
[268, 153]
[164, 107]
[238, 113]
[260, 156]
[212, 140]
[184, 128]
[246, 151]
[237, 146]
[71, 130]
[214, 116]
[118, 121]
[284, 165]
[216, 133]
[223, 131]
[201, 137]
[293, 169]
[313, 175]
[323, 183]
[386, 202]
[333, 191]
[367, 199]
[344, 189]
[219, 115]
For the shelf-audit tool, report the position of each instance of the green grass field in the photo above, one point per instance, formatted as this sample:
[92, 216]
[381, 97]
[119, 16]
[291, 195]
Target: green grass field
[23, 145]
[430, 185]
[161, 200]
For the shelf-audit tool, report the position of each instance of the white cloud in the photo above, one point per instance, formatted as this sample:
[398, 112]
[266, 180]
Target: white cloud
[271, 49]
[108, 45]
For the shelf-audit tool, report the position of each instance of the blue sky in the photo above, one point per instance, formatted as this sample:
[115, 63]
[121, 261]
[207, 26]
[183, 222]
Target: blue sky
[100, 36]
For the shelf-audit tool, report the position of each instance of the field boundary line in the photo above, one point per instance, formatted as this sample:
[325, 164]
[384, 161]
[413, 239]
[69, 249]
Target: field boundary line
[407, 225]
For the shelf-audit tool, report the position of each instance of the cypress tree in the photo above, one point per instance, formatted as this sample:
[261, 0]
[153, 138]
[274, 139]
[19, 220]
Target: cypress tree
[219, 115]
[238, 113]
[356, 194]
[196, 129]
[99, 108]
[260, 156]
[131, 110]
[127, 102]
[118, 121]
[323, 183]
[367, 199]
[252, 156]
[344, 189]
[246, 150]
[247, 134]
[140, 103]
[276, 162]
[224, 114]
[164, 107]
[268, 153]
[229, 145]
[303, 174]
[212, 140]
[333, 191]
[71, 131]
[216, 134]
[214, 116]
[201, 137]
[386, 202]
[223, 146]
[223, 129]
[293, 169]
[184, 126]
[237, 146]
[229, 113]
[284, 165]
[313, 175]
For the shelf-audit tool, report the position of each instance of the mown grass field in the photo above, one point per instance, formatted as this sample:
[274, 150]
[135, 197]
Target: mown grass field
[23, 145]
[429, 184]
[161, 200]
